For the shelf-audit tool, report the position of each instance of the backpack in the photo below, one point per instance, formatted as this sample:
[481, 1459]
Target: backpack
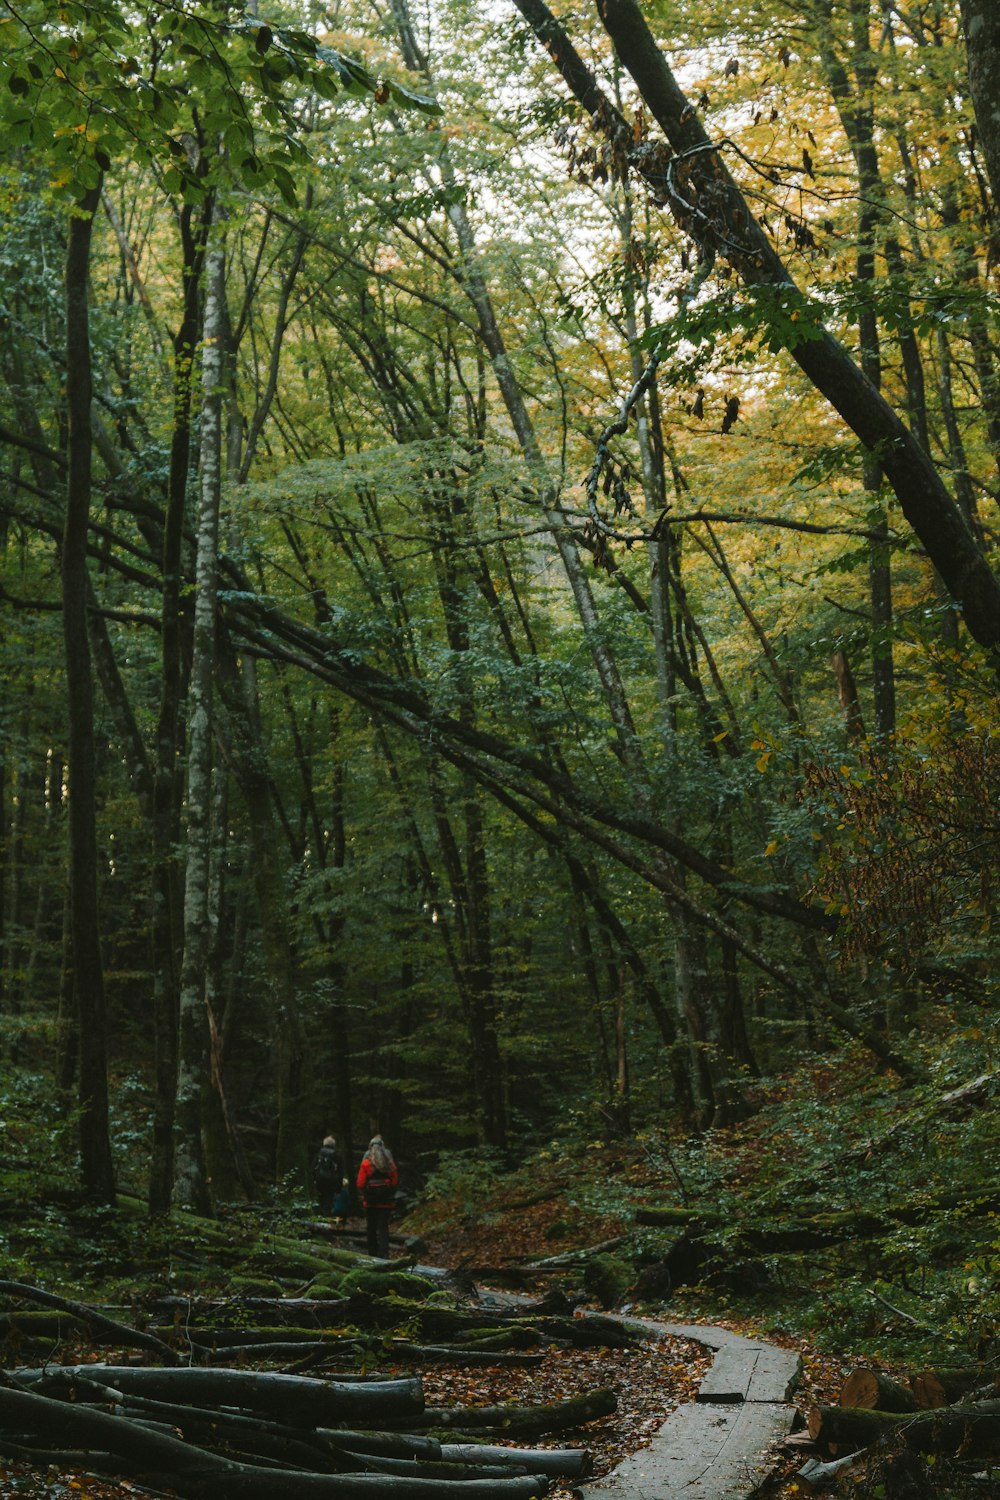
[326, 1168]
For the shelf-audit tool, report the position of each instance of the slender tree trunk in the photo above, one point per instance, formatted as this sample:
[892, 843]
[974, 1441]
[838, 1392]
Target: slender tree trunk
[88, 974]
[225, 1159]
[67, 1023]
[855, 105]
[167, 895]
[964, 491]
[847, 694]
[191, 1186]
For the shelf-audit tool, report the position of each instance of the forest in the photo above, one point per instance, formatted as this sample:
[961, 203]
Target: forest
[499, 625]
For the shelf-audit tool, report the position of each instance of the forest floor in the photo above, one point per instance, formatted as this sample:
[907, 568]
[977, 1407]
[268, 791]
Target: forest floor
[508, 1233]
[921, 1287]
[505, 1227]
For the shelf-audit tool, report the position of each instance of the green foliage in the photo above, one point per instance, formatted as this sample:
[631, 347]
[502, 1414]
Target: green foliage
[461, 1177]
[75, 88]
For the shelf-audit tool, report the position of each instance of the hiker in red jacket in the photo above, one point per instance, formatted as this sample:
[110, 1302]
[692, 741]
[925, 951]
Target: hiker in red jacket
[378, 1178]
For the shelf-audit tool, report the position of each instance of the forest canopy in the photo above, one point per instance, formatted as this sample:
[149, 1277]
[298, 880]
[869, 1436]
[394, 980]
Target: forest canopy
[498, 566]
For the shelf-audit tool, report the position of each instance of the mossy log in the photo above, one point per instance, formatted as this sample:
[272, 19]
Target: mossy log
[567, 1259]
[595, 1332]
[273, 1250]
[794, 1232]
[122, 1333]
[870, 1390]
[37, 1323]
[973, 1429]
[432, 1324]
[799, 1231]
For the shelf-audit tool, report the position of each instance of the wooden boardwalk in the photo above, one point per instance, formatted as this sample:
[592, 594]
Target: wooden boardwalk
[719, 1446]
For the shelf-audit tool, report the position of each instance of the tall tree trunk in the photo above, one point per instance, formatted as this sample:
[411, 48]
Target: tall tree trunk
[191, 1185]
[88, 973]
[856, 107]
[67, 1022]
[166, 921]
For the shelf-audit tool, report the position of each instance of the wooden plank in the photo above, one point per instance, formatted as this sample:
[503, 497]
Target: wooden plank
[776, 1374]
[731, 1373]
[703, 1452]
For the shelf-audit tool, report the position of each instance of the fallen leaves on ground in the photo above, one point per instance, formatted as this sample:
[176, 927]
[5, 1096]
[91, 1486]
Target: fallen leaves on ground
[649, 1381]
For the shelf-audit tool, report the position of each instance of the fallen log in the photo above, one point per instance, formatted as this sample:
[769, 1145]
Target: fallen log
[557, 1463]
[164, 1461]
[133, 1338]
[816, 1230]
[594, 1332]
[263, 1448]
[798, 1232]
[34, 1321]
[450, 1472]
[870, 1390]
[557, 1416]
[461, 1356]
[393, 1352]
[933, 1389]
[570, 1258]
[973, 1429]
[515, 1337]
[292, 1397]
[383, 1444]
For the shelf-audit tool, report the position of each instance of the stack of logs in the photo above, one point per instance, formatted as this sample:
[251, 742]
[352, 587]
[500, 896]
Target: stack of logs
[938, 1411]
[221, 1434]
[182, 1415]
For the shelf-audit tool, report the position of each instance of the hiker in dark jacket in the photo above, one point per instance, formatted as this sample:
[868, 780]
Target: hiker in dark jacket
[326, 1175]
[378, 1178]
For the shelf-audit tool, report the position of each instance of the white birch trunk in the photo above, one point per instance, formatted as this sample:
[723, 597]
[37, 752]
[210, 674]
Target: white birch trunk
[190, 1183]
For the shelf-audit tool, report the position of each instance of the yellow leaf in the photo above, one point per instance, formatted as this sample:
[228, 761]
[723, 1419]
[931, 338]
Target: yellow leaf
[772, 848]
[716, 739]
[762, 760]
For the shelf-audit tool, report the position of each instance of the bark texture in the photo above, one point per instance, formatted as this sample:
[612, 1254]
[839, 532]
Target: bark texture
[88, 974]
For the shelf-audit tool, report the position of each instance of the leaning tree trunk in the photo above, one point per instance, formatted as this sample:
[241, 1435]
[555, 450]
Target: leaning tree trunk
[88, 974]
[190, 1178]
[730, 224]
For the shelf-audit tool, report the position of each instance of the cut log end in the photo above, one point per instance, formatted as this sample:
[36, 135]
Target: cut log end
[868, 1390]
